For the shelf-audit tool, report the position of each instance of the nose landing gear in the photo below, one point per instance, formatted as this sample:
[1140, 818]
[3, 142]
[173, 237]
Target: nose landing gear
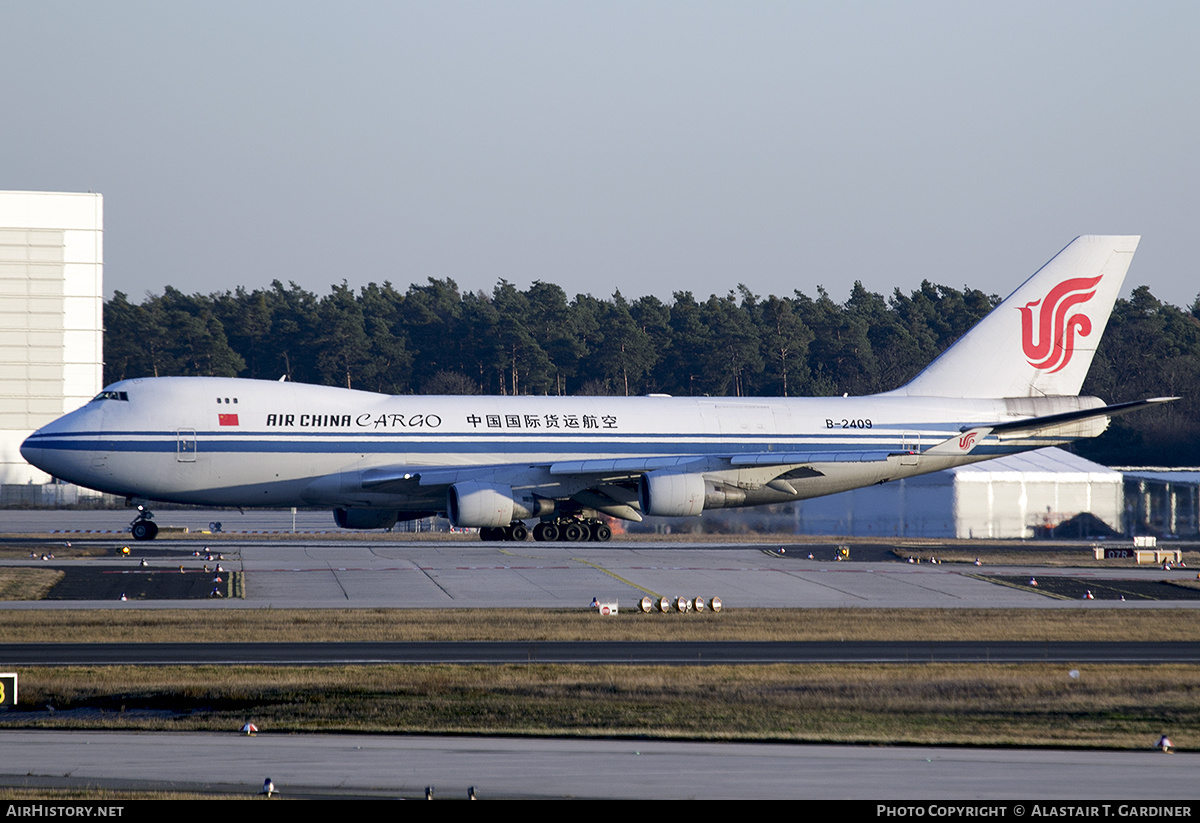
[143, 526]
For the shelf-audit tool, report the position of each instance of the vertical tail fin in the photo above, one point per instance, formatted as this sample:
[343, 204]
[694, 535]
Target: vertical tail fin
[1041, 339]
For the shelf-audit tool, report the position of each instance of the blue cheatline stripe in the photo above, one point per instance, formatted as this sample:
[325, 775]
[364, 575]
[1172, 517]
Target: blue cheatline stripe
[404, 436]
[878, 435]
[426, 447]
[931, 429]
[517, 447]
[76, 440]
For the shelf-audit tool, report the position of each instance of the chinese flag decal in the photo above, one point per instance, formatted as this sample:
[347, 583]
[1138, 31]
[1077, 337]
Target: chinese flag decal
[227, 419]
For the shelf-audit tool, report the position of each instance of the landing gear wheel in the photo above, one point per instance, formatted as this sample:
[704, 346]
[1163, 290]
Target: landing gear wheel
[489, 533]
[601, 533]
[545, 532]
[574, 533]
[517, 532]
[144, 529]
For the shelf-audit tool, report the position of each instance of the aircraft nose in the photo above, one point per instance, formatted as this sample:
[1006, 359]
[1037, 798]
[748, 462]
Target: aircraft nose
[57, 447]
[35, 452]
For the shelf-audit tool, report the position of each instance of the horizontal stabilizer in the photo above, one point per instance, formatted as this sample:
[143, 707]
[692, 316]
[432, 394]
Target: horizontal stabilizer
[971, 436]
[961, 444]
[1052, 420]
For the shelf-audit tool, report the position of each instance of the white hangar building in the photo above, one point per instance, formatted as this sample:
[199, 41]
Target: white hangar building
[51, 315]
[1008, 497]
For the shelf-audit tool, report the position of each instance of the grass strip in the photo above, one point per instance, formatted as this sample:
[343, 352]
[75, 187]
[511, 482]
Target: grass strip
[327, 625]
[18, 583]
[1105, 706]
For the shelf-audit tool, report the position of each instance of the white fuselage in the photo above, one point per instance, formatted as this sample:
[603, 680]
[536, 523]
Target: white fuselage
[235, 442]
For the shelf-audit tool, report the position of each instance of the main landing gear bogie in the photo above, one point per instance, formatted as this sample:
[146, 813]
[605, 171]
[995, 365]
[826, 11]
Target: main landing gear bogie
[551, 531]
[572, 531]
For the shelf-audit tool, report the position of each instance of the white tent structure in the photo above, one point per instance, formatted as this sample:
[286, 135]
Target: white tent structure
[1005, 498]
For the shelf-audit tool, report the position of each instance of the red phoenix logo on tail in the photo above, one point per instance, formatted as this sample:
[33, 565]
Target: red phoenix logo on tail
[1049, 338]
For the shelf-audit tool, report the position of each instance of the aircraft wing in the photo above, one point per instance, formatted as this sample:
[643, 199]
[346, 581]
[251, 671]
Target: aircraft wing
[423, 478]
[627, 466]
[610, 484]
[808, 458]
[433, 476]
[616, 486]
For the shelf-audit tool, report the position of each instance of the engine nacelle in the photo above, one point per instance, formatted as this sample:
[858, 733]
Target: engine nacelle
[365, 518]
[670, 494]
[480, 505]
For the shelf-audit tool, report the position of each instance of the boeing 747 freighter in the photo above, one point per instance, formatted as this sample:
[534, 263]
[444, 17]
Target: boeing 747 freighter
[1009, 385]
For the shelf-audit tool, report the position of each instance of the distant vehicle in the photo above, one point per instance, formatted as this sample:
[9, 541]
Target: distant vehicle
[1009, 385]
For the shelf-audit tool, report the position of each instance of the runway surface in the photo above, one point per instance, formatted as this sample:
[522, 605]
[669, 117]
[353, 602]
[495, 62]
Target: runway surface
[316, 572]
[401, 766]
[322, 573]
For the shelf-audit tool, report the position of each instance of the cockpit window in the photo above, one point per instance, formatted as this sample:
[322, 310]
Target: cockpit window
[111, 395]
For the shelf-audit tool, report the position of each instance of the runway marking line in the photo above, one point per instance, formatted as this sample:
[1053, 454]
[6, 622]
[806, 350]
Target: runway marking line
[1017, 586]
[616, 576]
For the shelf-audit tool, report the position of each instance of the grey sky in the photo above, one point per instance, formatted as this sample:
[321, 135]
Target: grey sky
[649, 147]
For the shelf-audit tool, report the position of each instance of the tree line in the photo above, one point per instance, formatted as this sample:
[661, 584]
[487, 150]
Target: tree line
[436, 339]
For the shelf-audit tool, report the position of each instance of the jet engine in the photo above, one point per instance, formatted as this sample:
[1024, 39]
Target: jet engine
[479, 505]
[365, 518]
[671, 494]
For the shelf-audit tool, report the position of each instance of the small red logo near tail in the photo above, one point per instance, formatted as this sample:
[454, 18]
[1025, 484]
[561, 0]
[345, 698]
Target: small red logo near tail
[227, 419]
[966, 441]
[1049, 338]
